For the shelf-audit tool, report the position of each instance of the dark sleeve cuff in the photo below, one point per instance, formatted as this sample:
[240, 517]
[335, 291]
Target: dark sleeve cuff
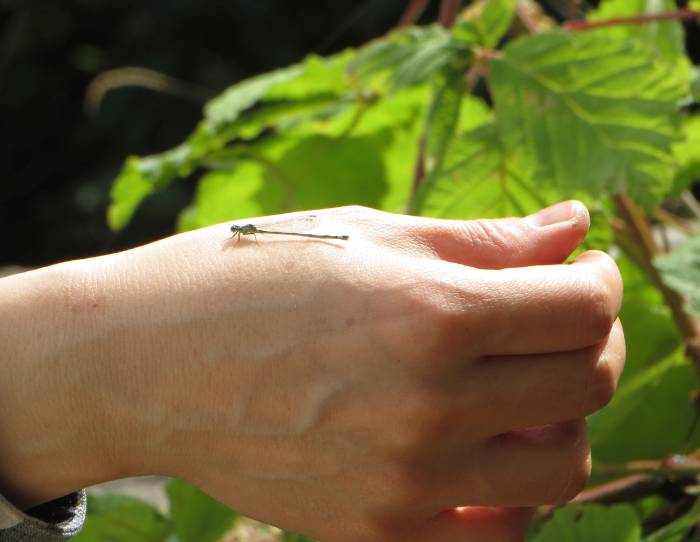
[54, 521]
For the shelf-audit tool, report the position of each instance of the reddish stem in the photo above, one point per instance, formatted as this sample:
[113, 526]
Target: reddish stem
[419, 168]
[682, 13]
[448, 12]
[412, 13]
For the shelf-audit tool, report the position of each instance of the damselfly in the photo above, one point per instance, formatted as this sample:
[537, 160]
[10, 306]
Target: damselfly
[252, 229]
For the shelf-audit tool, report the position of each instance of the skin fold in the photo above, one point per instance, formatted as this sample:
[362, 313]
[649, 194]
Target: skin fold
[425, 380]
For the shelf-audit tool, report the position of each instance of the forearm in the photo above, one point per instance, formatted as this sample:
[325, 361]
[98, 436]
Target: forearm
[104, 371]
[57, 423]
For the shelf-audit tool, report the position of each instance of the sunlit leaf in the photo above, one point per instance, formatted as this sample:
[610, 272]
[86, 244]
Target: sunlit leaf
[410, 56]
[313, 88]
[226, 108]
[590, 112]
[687, 155]
[650, 416]
[666, 37]
[681, 271]
[478, 180]
[650, 333]
[117, 518]
[695, 83]
[443, 118]
[485, 22]
[196, 517]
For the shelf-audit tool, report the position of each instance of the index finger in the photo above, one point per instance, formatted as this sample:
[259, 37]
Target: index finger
[541, 309]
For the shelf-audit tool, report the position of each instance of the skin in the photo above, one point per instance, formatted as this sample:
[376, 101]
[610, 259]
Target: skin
[425, 380]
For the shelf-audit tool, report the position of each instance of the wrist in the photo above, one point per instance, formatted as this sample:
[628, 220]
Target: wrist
[57, 428]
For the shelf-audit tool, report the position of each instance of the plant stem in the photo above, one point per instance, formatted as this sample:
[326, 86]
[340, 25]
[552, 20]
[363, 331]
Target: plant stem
[418, 170]
[629, 488]
[675, 465]
[448, 12]
[412, 13]
[639, 479]
[682, 13]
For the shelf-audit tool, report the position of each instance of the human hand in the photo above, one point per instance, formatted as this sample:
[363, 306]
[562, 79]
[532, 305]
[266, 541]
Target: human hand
[357, 391]
[361, 390]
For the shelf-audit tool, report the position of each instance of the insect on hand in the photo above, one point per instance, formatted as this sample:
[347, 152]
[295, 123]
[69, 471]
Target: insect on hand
[251, 229]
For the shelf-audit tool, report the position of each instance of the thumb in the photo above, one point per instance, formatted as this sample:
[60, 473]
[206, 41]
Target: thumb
[477, 524]
[546, 237]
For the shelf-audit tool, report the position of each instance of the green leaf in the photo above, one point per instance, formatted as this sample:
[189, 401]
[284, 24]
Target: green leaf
[309, 172]
[141, 177]
[195, 515]
[694, 4]
[229, 195]
[291, 537]
[695, 83]
[317, 86]
[371, 162]
[443, 118]
[687, 155]
[485, 22]
[318, 75]
[409, 57]
[676, 530]
[589, 112]
[650, 332]
[666, 37]
[478, 180]
[592, 522]
[226, 108]
[650, 415]
[117, 518]
[681, 271]
[314, 88]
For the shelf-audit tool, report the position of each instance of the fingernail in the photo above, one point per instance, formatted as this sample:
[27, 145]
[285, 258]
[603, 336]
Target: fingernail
[560, 212]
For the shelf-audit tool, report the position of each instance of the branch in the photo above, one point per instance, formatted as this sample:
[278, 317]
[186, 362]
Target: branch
[412, 13]
[448, 12]
[678, 14]
[676, 465]
[630, 488]
[668, 477]
[418, 169]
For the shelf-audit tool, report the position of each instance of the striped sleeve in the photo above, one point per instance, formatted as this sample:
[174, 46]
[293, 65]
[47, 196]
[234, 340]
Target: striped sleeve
[55, 521]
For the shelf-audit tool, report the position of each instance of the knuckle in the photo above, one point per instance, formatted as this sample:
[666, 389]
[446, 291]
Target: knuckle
[603, 383]
[424, 419]
[381, 530]
[372, 530]
[401, 485]
[575, 466]
[493, 234]
[434, 327]
[598, 310]
[579, 474]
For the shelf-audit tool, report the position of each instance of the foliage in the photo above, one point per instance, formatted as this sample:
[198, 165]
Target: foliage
[681, 270]
[193, 517]
[603, 115]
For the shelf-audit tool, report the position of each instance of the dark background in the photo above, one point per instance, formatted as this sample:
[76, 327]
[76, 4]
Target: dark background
[58, 160]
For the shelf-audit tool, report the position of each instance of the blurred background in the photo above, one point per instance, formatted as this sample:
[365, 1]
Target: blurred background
[71, 112]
